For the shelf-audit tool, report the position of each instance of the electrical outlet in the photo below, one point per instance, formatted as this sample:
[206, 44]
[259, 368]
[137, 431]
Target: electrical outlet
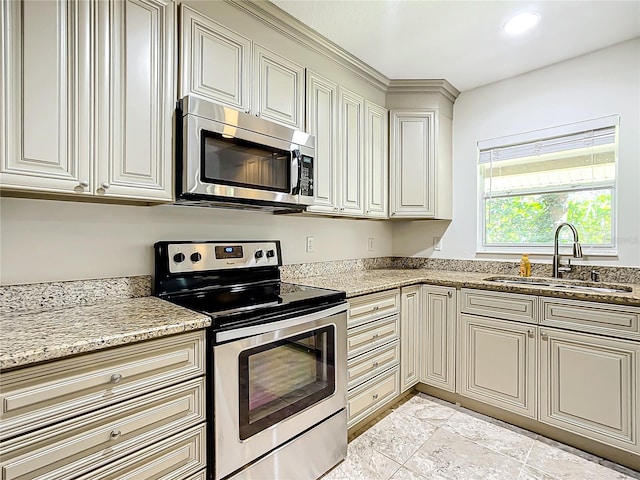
[437, 244]
[370, 244]
[310, 244]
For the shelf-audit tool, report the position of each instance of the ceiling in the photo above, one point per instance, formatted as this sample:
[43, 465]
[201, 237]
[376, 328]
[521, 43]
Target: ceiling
[463, 41]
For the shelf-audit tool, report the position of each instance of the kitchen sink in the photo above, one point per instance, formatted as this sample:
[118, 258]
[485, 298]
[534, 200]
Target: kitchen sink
[575, 285]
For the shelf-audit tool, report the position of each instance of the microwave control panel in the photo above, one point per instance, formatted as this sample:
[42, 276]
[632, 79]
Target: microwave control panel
[306, 176]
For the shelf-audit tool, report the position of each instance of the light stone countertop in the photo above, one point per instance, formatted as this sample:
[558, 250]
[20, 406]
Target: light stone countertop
[29, 338]
[370, 281]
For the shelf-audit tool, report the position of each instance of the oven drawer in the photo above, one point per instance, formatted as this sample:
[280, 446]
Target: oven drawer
[373, 394]
[182, 455]
[80, 445]
[373, 334]
[365, 308]
[505, 306]
[369, 364]
[34, 397]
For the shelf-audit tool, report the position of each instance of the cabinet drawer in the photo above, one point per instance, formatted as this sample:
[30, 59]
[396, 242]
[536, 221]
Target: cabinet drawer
[372, 395]
[182, 455]
[614, 320]
[371, 363]
[34, 397]
[505, 306]
[80, 445]
[373, 334]
[369, 307]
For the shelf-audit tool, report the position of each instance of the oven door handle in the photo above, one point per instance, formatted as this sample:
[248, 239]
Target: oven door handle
[235, 334]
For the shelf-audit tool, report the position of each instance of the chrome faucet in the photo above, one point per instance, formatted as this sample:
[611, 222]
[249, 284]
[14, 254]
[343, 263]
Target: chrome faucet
[577, 251]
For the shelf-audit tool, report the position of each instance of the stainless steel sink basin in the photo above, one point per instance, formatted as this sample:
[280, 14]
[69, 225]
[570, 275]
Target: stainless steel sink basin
[575, 285]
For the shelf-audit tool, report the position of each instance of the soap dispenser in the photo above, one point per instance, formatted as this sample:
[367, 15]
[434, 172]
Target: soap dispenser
[525, 266]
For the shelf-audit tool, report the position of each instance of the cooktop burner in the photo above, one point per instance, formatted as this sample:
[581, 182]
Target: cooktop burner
[236, 283]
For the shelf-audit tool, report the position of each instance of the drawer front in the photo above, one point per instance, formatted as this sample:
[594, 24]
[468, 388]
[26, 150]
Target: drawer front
[372, 395]
[369, 364]
[80, 445]
[505, 306]
[614, 320]
[180, 456]
[376, 305]
[37, 396]
[371, 335]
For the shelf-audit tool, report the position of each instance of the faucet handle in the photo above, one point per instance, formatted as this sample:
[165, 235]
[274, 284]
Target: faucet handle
[595, 276]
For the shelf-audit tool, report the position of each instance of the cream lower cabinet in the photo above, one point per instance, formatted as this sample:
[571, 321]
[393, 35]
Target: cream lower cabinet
[373, 352]
[88, 121]
[437, 337]
[136, 411]
[411, 320]
[589, 385]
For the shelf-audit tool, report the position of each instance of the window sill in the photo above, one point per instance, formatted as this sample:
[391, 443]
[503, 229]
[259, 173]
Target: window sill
[543, 252]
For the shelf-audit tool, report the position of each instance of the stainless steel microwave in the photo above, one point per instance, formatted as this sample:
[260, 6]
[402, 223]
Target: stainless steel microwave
[229, 158]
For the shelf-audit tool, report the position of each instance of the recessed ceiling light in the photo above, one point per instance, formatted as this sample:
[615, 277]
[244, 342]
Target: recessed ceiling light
[521, 23]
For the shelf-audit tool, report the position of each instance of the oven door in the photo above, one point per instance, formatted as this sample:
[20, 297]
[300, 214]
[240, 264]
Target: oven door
[273, 386]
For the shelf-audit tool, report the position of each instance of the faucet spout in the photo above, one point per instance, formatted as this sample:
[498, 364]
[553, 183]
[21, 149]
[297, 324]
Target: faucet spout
[577, 249]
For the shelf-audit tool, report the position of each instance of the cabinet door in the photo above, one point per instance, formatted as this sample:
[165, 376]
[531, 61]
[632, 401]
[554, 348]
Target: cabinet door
[321, 122]
[135, 99]
[351, 153]
[376, 160]
[278, 88]
[410, 320]
[589, 386]
[44, 89]
[412, 164]
[437, 339]
[215, 61]
[498, 363]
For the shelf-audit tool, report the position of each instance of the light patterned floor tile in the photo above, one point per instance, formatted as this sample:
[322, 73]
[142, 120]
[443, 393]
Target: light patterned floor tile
[406, 474]
[530, 473]
[448, 456]
[363, 463]
[421, 406]
[491, 435]
[398, 436]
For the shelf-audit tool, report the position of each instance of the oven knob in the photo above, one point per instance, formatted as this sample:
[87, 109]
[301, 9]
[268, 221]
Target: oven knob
[178, 257]
[271, 253]
[196, 257]
[259, 254]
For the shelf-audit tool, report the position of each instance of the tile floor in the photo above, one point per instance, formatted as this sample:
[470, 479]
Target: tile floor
[427, 438]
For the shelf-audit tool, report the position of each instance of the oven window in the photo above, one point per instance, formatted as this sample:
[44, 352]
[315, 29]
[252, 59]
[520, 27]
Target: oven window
[240, 163]
[284, 377]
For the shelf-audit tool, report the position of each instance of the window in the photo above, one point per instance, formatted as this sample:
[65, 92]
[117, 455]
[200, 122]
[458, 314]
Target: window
[532, 182]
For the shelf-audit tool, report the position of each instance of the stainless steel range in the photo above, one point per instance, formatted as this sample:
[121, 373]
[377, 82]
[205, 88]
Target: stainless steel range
[277, 369]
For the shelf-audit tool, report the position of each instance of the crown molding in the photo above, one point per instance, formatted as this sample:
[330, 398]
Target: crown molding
[424, 86]
[277, 18]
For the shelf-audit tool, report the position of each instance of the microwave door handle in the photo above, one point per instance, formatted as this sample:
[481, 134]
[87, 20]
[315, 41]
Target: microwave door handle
[296, 172]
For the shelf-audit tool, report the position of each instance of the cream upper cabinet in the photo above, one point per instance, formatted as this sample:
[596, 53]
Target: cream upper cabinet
[376, 159]
[46, 105]
[351, 152]
[420, 164]
[411, 320]
[589, 386]
[82, 120]
[215, 61]
[437, 337]
[135, 99]
[322, 123]
[223, 66]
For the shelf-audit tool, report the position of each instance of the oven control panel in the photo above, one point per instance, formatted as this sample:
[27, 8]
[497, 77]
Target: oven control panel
[198, 257]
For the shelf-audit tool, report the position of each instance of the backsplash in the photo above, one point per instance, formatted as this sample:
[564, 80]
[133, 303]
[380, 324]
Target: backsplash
[303, 270]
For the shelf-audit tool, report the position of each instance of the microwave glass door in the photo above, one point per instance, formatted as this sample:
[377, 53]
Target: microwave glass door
[241, 163]
[282, 378]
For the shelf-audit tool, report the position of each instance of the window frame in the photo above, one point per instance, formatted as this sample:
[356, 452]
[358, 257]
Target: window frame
[518, 249]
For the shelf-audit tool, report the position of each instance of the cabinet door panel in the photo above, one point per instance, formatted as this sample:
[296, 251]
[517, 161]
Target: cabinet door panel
[376, 161]
[135, 99]
[351, 117]
[497, 363]
[410, 319]
[588, 385]
[438, 337]
[215, 61]
[279, 87]
[45, 84]
[321, 123]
